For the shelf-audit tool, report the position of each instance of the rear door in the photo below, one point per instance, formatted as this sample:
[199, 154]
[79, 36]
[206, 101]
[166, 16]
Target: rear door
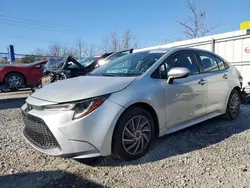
[216, 77]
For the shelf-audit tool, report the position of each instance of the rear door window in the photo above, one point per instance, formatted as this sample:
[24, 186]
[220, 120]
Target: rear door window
[208, 62]
[222, 65]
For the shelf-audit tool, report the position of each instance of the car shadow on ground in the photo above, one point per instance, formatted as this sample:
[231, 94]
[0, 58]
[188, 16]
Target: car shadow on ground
[6, 104]
[46, 179]
[193, 138]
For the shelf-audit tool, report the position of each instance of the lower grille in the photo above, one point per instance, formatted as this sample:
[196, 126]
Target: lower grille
[38, 133]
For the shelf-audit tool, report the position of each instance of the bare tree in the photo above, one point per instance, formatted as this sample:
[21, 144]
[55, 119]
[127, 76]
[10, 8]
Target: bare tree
[55, 49]
[84, 50]
[39, 52]
[128, 40]
[194, 26]
[66, 50]
[79, 48]
[113, 42]
[90, 50]
[110, 43]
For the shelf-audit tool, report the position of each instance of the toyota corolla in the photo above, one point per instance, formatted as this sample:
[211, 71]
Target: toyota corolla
[121, 107]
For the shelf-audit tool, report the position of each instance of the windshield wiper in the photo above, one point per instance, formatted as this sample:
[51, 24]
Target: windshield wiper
[111, 75]
[121, 75]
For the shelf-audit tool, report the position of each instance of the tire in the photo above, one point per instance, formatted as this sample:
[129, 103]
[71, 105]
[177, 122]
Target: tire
[132, 143]
[15, 80]
[233, 106]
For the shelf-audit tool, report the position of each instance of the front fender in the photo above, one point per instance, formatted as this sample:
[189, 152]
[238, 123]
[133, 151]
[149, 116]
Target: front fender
[152, 95]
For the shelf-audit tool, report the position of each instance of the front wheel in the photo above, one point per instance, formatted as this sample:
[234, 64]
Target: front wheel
[133, 134]
[233, 106]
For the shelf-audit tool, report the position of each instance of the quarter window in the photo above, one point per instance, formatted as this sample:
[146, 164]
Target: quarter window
[222, 65]
[208, 62]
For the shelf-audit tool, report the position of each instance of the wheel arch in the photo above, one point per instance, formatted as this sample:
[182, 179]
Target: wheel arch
[237, 88]
[147, 107]
[17, 72]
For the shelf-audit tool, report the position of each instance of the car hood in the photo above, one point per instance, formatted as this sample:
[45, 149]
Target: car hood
[82, 87]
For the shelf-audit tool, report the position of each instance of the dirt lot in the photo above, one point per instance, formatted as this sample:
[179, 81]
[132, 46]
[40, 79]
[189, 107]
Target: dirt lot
[215, 153]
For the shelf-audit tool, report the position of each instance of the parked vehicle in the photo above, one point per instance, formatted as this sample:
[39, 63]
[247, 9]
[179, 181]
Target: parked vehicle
[121, 107]
[114, 56]
[245, 96]
[64, 68]
[19, 75]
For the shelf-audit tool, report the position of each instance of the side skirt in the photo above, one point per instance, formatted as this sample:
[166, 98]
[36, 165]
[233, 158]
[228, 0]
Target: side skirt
[193, 122]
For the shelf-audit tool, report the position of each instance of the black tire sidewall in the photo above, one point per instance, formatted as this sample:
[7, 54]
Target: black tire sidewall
[14, 74]
[230, 115]
[118, 149]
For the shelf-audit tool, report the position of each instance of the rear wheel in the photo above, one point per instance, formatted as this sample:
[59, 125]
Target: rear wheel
[133, 134]
[14, 80]
[233, 106]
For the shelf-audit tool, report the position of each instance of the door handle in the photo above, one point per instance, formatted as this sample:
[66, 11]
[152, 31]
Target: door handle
[202, 82]
[225, 76]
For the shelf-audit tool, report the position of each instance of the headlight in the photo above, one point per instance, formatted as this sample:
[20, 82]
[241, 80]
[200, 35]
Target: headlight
[81, 108]
[59, 107]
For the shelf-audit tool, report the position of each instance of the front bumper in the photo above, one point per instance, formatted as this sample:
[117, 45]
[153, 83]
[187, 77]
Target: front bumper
[55, 133]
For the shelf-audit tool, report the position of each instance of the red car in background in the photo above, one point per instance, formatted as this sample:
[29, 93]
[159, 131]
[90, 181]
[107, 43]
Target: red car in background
[20, 75]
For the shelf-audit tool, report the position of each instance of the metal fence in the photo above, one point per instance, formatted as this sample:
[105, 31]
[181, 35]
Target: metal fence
[24, 58]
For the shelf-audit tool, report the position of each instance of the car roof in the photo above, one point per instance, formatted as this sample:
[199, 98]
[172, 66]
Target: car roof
[175, 49]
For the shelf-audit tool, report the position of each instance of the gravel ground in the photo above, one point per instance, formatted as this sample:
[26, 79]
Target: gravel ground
[215, 153]
[14, 95]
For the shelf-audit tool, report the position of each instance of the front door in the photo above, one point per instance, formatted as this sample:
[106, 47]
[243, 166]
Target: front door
[185, 98]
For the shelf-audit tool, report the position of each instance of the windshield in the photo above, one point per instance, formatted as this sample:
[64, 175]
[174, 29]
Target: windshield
[117, 55]
[52, 63]
[129, 65]
[85, 62]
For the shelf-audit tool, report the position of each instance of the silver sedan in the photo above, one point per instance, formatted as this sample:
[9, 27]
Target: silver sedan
[121, 107]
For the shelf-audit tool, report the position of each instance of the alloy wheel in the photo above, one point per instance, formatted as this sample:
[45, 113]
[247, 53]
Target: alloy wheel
[14, 81]
[235, 105]
[136, 135]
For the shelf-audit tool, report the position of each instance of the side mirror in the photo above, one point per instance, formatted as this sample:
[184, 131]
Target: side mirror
[177, 72]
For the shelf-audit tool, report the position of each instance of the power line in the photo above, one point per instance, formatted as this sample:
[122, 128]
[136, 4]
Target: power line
[2, 53]
[28, 39]
[32, 24]
[42, 24]
[51, 26]
[40, 28]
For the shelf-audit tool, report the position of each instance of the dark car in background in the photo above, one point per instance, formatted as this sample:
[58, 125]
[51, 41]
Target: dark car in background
[64, 68]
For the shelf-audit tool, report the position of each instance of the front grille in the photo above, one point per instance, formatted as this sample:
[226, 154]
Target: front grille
[38, 133]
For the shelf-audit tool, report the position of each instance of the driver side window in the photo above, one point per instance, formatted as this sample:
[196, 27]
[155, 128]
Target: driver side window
[180, 59]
